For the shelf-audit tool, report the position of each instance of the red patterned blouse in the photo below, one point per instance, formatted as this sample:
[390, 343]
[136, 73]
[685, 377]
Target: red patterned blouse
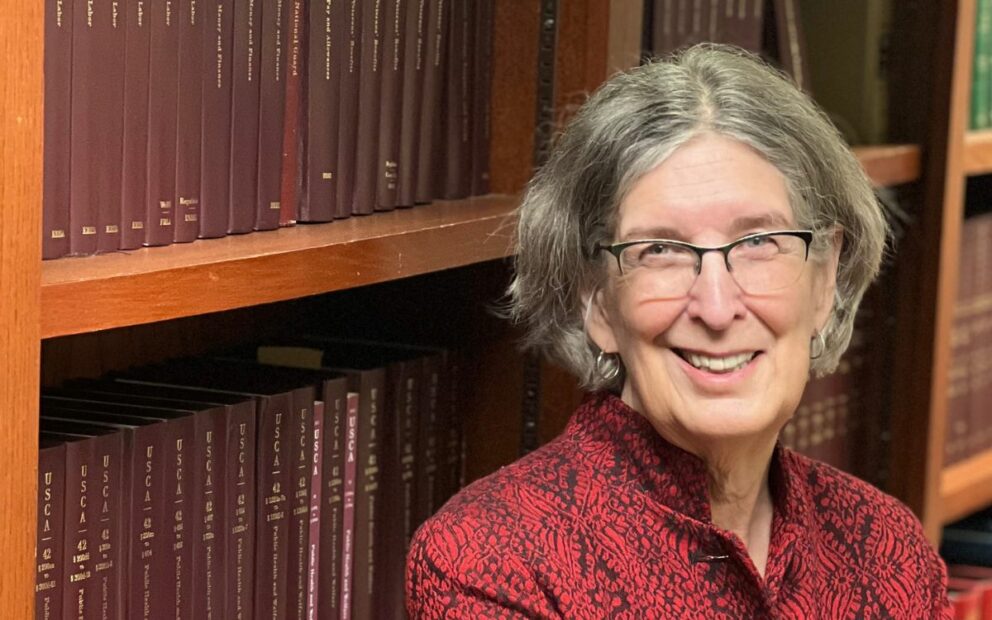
[611, 521]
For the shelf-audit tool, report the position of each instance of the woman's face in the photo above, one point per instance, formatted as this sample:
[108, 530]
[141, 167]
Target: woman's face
[711, 191]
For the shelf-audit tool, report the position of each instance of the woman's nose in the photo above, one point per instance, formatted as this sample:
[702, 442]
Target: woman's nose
[715, 298]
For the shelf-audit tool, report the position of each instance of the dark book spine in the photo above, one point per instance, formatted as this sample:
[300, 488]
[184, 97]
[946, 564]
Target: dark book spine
[209, 515]
[481, 96]
[349, 480]
[215, 130]
[181, 455]
[316, 488]
[300, 452]
[240, 496]
[369, 102]
[295, 67]
[454, 170]
[367, 494]
[97, 120]
[272, 532]
[428, 430]
[188, 121]
[81, 591]
[58, 98]
[430, 112]
[791, 44]
[271, 107]
[415, 21]
[320, 112]
[145, 468]
[244, 116]
[391, 74]
[163, 75]
[331, 513]
[135, 158]
[347, 136]
[49, 560]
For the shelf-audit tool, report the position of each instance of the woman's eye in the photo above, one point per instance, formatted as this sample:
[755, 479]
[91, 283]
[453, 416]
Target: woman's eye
[755, 242]
[656, 248]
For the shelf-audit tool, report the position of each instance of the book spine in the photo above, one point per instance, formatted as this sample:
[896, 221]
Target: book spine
[81, 591]
[331, 514]
[49, 560]
[109, 541]
[163, 74]
[316, 487]
[209, 516]
[291, 145]
[135, 148]
[272, 532]
[301, 450]
[391, 89]
[327, 27]
[347, 135]
[240, 510]
[271, 108]
[147, 560]
[455, 169]
[428, 430]
[415, 22]
[58, 106]
[215, 130]
[189, 118]
[97, 118]
[436, 49]
[349, 481]
[481, 95]
[368, 113]
[181, 457]
[244, 116]
[367, 493]
[979, 112]
[791, 46]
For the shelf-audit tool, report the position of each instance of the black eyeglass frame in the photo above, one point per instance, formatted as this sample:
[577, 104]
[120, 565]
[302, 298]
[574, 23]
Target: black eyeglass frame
[617, 249]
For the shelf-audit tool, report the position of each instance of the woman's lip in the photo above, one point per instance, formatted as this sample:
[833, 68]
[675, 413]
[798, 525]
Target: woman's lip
[719, 381]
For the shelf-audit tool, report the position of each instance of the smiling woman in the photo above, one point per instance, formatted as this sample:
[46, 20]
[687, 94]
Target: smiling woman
[697, 244]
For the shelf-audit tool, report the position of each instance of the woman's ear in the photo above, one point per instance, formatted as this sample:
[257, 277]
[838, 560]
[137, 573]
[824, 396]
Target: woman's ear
[826, 288]
[597, 323]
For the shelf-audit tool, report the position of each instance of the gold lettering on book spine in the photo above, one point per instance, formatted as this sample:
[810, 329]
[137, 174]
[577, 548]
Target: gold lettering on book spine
[251, 38]
[220, 46]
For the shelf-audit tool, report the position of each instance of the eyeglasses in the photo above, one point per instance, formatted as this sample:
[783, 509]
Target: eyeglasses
[759, 263]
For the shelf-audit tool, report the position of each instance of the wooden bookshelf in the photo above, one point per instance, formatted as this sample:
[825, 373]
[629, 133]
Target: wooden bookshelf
[978, 152]
[966, 487]
[890, 164]
[153, 284]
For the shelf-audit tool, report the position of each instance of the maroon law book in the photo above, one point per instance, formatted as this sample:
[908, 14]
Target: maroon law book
[188, 121]
[300, 453]
[320, 110]
[313, 544]
[391, 74]
[58, 98]
[428, 440]
[50, 532]
[363, 197]
[481, 91]
[93, 543]
[414, 49]
[291, 144]
[436, 51]
[244, 115]
[347, 135]
[97, 119]
[271, 109]
[215, 130]
[349, 481]
[163, 75]
[135, 158]
[455, 167]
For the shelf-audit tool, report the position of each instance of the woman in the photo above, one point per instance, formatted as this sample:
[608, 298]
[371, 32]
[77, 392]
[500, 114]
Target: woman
[698, 242]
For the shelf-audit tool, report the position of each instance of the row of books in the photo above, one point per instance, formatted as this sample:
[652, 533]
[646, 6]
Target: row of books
[230, 488]
[836, 50]
[168, 121]
[969, 421]
[966, 546]
[980, 114]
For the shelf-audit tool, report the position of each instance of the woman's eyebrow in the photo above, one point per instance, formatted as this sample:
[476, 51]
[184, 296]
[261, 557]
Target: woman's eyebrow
[739, 226]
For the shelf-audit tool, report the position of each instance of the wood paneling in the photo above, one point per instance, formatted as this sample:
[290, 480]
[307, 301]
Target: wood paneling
[966, 487]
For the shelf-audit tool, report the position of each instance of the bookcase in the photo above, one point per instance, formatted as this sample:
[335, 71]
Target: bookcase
[76, 299]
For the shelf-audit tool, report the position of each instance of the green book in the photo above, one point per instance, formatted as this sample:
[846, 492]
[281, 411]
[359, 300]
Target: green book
[979, 118]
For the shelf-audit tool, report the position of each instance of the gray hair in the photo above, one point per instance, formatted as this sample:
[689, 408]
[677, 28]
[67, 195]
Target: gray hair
[628, 127]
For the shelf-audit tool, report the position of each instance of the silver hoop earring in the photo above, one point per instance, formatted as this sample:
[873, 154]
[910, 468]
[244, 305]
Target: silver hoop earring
[817, 345]
[608, 365]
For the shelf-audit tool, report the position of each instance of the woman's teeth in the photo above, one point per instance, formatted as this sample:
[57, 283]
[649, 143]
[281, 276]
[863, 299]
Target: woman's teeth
[719, 364]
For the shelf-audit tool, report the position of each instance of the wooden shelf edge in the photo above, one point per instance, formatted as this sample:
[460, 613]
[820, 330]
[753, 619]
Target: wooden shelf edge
[978, 152]
[890, 164]
[94, 293]
[966, 487]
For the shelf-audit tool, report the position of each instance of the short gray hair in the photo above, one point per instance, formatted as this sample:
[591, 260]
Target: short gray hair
[629, 126]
